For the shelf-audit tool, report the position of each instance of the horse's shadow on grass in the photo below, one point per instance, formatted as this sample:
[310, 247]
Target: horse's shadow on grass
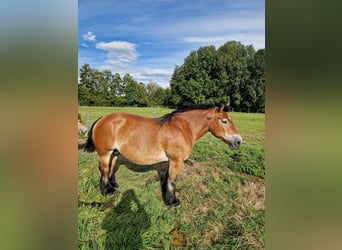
[160, 168]
[126, 223]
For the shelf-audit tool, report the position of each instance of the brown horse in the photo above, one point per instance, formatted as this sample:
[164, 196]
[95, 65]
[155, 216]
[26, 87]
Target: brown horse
[146, 141]
[81, 128]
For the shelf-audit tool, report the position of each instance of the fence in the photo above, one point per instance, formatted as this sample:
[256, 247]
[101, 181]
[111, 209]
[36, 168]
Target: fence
[247, 110]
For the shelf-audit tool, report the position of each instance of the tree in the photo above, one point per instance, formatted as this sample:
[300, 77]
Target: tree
[103, 88]
[133, 93]
[115, 90]
[83, 95]
[156, 94]
[168, 98]
[187, 81]
[234, 57]
[232, 74]
[258, 74]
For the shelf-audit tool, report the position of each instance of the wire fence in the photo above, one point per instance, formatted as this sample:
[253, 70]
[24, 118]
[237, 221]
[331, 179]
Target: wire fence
[247, 110]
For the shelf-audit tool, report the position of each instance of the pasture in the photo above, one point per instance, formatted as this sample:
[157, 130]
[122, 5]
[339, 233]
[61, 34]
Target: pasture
[221, 193]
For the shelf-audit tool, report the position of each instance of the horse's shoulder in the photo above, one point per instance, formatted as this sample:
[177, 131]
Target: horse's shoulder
[180, 123]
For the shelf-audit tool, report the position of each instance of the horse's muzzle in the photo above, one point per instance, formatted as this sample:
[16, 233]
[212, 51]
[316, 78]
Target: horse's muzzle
[83, 130]
[233, 141]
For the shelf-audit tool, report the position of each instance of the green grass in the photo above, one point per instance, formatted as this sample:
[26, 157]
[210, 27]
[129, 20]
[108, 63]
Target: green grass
[219, 208]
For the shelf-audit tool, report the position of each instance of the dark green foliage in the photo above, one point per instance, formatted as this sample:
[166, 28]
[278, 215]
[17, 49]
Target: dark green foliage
[105, 89]
[232, 74]
[156, 94]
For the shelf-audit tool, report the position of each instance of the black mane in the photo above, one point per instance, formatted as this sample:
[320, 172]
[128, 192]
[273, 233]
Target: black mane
[167, 118]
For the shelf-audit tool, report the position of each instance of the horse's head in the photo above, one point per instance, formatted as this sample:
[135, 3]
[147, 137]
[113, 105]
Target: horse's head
[223, 128]
[81, 128]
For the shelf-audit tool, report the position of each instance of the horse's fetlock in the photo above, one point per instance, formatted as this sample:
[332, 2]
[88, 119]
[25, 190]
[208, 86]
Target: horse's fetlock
[112, 181]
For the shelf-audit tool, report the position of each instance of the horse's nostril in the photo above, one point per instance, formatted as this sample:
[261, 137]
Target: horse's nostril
[238, 142]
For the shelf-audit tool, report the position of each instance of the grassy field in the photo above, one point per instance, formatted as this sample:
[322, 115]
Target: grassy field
[221, 193]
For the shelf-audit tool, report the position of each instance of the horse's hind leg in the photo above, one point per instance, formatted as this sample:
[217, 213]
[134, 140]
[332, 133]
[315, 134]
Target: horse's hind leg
[169, 184]
[112, 164]
[107, 179]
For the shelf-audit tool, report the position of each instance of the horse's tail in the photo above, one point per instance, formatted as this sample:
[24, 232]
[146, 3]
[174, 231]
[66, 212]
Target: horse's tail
[89, 145]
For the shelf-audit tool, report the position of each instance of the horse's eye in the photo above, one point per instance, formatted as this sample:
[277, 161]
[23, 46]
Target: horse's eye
[224, 121]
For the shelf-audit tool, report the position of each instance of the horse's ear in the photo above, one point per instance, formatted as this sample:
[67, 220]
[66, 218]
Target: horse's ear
[220, 108]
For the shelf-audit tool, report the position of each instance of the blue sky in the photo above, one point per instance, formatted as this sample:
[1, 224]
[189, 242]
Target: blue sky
[147, 38]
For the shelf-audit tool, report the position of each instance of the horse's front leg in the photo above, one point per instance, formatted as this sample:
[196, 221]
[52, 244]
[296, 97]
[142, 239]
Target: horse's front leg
[169, 184]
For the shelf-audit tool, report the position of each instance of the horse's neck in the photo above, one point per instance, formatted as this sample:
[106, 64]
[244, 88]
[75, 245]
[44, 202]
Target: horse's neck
[199, 123]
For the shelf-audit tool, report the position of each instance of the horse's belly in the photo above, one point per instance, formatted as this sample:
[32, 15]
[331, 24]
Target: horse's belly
[144, 157]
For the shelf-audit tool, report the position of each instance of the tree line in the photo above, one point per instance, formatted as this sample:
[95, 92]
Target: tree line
[232, 74]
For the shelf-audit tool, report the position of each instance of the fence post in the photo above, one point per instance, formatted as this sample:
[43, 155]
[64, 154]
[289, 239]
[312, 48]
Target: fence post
[88, 119]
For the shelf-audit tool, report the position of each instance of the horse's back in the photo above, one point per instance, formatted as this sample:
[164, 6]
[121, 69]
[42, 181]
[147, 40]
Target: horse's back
[123, 123]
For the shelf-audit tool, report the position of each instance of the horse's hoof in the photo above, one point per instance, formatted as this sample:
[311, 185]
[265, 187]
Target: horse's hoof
[113, 183]
[175, 202]
[108, 189]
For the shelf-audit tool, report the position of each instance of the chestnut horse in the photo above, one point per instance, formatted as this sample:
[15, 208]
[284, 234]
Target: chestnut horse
[81, 128]
[147, 141]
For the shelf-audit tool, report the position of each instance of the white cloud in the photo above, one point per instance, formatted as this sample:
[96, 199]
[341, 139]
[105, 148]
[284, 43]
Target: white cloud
[89, 36]
[122, 58]
[157, 75]
[119, 50]
[156, 72]
[121, 55]
[115, 66]
[247, 29]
